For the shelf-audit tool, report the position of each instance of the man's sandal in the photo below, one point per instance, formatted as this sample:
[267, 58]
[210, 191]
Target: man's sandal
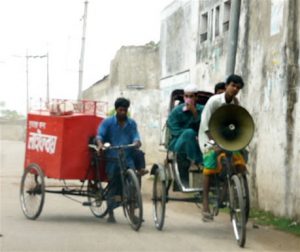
[207, 217]
[142, 172]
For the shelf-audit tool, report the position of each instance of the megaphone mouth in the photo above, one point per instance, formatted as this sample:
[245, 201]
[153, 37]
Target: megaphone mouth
[229, 132]
[232, 127]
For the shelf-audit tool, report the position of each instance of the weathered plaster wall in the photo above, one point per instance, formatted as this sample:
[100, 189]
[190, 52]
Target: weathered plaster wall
[136, 67]
[266, 59]
[295, 160]
[99, 89]
[211, 54]
[176, 39]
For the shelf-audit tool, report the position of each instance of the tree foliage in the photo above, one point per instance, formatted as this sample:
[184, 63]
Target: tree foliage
[8, 113]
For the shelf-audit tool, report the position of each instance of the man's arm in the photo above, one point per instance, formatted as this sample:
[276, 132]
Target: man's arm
[204, 134]
[99, 144]
[209, 135]
[137, 143]
[209, 110]
[135, 135]
[101, 133]
[173, 122]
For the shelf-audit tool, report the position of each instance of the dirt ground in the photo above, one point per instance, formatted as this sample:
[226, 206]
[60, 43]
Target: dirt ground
[65, 225]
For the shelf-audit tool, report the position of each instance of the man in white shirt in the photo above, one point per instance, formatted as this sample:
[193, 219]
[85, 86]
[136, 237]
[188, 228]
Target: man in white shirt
[210, 152]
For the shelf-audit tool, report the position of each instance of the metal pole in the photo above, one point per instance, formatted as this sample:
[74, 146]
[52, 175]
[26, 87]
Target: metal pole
[47, 95]
[27, 76]
[233, 35]
[27, 84]
[81, 60]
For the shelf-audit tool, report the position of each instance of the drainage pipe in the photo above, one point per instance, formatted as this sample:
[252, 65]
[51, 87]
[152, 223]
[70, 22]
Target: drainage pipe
[233, 36]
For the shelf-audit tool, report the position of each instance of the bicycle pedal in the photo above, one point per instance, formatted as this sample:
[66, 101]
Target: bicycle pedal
[86, 203]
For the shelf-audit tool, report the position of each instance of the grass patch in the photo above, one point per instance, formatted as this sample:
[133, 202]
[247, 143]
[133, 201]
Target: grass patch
[268, 219]
[263, 218]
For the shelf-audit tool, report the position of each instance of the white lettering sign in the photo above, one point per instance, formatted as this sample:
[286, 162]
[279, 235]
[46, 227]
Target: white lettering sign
[41, 142]
[35, 124]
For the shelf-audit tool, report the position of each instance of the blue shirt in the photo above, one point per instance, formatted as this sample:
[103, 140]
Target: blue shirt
[110, 131]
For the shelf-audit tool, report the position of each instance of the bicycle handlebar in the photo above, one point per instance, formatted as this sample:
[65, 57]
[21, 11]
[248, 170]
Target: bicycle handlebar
[125, 146]
[108, 147]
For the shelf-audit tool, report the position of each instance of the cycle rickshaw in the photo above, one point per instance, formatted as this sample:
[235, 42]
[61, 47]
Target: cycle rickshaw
[59, 146]
[228, 123]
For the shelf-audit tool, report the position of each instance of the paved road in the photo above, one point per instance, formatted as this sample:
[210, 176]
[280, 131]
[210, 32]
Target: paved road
[65, 225]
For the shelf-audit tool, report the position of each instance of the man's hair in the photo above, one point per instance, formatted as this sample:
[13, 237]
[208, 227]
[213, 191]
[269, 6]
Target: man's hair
[122, 102]
[235, 79]
[220, 85]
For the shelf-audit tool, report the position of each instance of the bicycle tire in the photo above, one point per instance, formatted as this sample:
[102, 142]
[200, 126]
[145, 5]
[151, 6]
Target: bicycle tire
[32, 191]
[98, 204]
[133, 206]
[214, 199]
[246, 196]
[159, 200]
[237, 210]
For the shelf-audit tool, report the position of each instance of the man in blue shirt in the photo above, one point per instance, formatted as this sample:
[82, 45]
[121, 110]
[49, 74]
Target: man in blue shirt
[118, 130]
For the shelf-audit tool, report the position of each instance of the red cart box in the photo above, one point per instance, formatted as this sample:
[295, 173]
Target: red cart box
[59, 144]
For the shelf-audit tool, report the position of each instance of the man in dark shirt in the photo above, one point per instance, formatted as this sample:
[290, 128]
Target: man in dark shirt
[183, 123]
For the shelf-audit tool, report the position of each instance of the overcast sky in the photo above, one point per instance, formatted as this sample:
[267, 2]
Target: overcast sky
[38, 27]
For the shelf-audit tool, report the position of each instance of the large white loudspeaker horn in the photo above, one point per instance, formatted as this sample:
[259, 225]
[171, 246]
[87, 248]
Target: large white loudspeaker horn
[232, 127]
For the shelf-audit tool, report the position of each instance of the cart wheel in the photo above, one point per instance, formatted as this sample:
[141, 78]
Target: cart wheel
[133, 205]
[98, 204]
[32, 191]
[237, 210]
[159, 200]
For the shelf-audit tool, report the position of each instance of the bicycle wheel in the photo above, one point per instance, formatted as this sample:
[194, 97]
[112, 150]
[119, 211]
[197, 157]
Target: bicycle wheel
[215, 195]
[246, 196]
[32, 191]
[237, 210]
[98, 204]
[159, 200]
[133, 206]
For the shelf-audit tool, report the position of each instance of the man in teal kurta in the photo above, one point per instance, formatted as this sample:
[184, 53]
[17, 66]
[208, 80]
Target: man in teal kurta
[183, 123]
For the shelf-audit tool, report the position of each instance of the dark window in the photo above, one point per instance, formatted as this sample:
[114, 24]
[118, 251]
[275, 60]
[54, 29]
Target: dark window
[226, 15]
[203, 27]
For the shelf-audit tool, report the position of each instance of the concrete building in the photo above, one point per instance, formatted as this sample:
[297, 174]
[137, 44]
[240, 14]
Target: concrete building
[197, 45]
[135, 74]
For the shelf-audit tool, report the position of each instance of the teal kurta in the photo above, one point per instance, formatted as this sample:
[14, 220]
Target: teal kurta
[184, 130]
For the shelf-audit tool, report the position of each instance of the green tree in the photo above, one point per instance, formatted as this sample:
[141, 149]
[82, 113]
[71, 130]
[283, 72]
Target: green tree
[9, 114]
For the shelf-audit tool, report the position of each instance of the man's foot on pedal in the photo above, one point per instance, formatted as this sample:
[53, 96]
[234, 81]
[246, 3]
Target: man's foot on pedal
[195, 167]
[136, 219]
[111, 218]
[207, 216]
[142, 172]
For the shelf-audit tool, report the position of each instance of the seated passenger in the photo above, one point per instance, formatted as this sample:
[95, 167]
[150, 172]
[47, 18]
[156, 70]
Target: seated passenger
[220, 88]
[183, 123]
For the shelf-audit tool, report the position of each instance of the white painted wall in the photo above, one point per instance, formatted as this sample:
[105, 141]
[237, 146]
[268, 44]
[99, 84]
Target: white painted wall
[266, 62]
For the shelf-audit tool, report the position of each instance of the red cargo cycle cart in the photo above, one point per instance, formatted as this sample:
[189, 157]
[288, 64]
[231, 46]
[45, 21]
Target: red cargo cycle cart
[58, 147]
